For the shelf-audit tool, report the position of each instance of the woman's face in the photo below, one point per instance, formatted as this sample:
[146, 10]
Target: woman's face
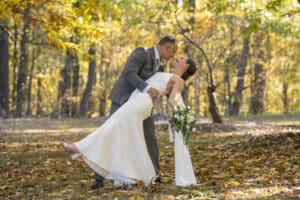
[180, 64]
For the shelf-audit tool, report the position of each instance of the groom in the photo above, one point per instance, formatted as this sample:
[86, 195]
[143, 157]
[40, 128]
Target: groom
[142, 64]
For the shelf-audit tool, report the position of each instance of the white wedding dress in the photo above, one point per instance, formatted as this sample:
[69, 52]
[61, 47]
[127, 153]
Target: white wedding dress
[117, 149]
[184, 172]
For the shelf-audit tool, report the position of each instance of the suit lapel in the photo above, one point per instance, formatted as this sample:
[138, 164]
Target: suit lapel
[152, 55]
[162, 65]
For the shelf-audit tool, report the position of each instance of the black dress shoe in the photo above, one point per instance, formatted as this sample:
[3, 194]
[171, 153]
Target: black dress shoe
[158, 180]
[96, 185]
[124, 187]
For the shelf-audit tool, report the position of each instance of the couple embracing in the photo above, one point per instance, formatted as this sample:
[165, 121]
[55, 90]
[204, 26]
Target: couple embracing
[124, 148]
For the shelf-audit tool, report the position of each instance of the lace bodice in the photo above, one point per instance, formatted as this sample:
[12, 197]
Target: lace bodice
[159, 81]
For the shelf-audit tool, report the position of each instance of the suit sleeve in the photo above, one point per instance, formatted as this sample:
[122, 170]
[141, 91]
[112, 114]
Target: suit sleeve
[133, 65]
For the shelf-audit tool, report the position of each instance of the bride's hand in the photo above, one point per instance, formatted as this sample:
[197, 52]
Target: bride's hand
[173, 101]
[153, 93]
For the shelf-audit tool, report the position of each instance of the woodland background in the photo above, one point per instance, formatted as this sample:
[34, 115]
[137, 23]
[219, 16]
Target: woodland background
[60, 58]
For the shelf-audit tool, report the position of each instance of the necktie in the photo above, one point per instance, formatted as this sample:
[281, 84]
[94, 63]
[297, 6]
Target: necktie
[157, 64]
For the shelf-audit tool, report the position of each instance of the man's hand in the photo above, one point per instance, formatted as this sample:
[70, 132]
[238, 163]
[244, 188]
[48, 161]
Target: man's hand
[153, 93]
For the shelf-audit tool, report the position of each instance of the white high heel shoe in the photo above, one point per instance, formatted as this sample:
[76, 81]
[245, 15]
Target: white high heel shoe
[67, 147]
[76, 156]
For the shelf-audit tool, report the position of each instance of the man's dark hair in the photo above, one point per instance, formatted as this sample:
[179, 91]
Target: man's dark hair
[167, 39]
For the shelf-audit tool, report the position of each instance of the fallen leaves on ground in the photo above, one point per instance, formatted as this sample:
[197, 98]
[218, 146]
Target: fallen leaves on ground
[244, 160]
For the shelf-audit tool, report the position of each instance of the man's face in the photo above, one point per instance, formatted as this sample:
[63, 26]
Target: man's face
[169, 51]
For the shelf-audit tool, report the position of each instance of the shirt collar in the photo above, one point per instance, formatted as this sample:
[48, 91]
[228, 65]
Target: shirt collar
[157, 57]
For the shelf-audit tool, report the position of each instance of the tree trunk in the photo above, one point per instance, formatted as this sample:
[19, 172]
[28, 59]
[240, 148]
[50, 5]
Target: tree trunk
[210, 81]
[187, 48]
[103, 81]
[231, 60]
[39, 110]
[15, 71]
[260, 53]
[213, 108]
[238, 95]
[4, 74]
[102, 104]
[258, 90]
[75, 85]
[196, 94]
[57, 107]
[75, 69]
[228, 90]
[65, 87]
[89, 85]
[29, 111]
[285, 99]
[22, 75]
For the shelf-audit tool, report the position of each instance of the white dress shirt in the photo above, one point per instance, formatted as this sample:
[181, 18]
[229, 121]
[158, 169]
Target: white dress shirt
[157, 57]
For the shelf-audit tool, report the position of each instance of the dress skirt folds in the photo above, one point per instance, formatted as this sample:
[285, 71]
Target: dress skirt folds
[117, 150]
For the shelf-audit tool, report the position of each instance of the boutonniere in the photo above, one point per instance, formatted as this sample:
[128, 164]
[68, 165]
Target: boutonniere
[162, 65]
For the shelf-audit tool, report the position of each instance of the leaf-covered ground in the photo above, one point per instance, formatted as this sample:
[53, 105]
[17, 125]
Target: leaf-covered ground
[252, 158]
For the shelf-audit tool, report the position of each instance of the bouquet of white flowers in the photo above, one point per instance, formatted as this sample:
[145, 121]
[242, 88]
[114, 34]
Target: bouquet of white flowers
[182, 119]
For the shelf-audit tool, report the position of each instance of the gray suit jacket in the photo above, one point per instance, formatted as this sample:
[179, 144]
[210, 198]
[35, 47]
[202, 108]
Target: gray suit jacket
[139, 67]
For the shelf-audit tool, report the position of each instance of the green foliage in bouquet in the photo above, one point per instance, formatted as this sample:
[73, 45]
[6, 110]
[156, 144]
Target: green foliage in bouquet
[183, 119]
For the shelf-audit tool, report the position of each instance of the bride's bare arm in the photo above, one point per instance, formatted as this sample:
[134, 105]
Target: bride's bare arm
[176, 88]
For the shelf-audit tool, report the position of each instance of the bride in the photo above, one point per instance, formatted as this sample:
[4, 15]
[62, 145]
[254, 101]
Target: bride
[117, 149]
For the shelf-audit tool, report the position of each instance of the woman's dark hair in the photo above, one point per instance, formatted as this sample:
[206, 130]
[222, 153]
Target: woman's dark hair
[190, 71]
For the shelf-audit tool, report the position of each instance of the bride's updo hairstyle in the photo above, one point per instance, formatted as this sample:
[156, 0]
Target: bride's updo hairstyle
[190, 70]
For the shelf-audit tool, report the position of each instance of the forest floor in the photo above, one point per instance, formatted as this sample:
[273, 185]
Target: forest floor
[244, 158]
